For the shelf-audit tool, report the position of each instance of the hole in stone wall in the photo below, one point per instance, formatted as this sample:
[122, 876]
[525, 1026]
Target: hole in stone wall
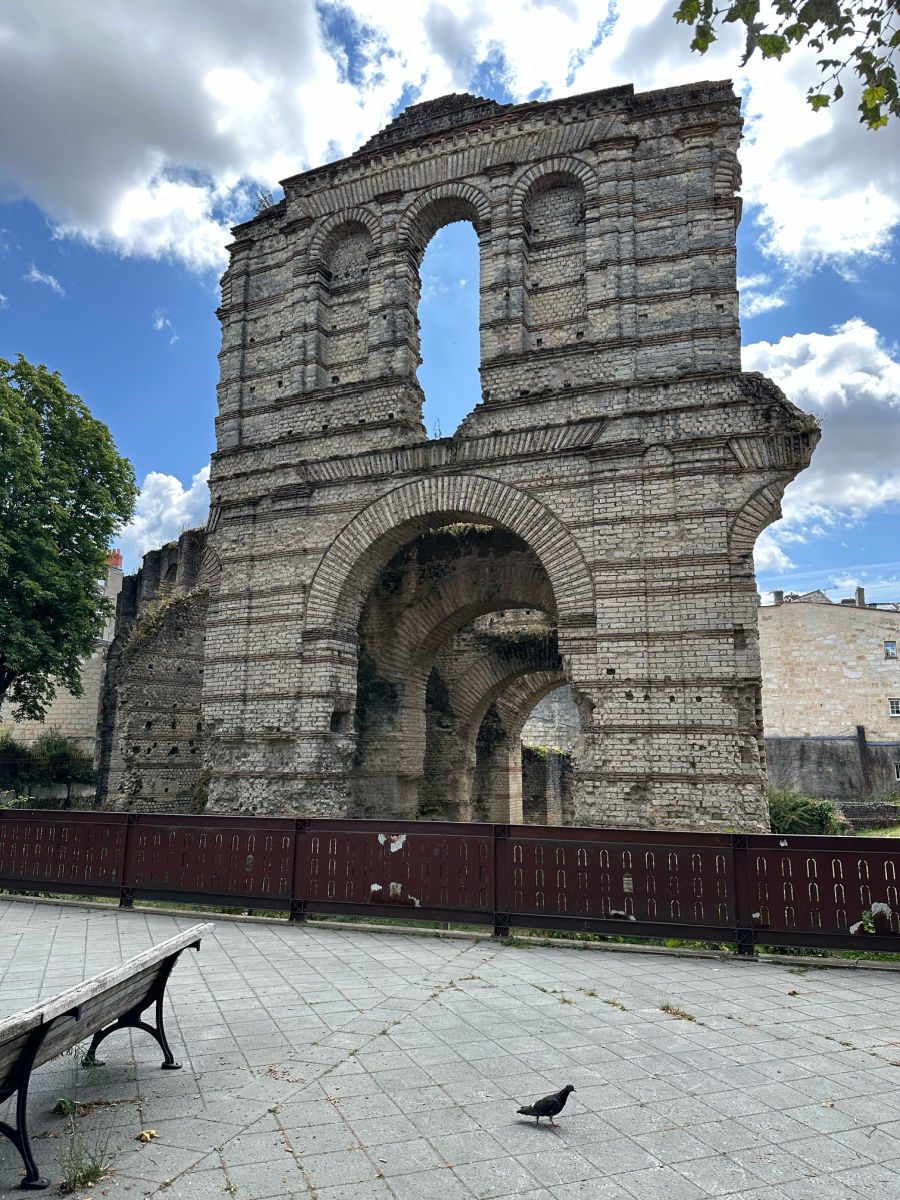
[449, 333]
[341, 721]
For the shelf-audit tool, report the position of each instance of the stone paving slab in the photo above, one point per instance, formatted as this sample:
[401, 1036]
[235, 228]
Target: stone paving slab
[336, 1064]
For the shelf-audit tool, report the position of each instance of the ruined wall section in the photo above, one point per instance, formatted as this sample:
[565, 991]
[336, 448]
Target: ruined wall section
[150, 752]
[614, 434]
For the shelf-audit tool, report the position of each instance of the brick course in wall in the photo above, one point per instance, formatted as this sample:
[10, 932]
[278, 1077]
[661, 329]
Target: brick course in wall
[615, 441]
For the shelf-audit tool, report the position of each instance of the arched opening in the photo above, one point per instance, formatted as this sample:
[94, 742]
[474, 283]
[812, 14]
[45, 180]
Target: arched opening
[427, 657]
[344, 330]
[551, 738]
[420, 565]
[448, 322]
[555, 263]
[472, 673]
[446, 224]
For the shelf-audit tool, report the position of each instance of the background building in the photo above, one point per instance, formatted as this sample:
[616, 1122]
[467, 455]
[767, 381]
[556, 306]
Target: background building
[831, 695]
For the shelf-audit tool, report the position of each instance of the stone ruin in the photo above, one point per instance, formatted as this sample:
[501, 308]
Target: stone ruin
[370, 615]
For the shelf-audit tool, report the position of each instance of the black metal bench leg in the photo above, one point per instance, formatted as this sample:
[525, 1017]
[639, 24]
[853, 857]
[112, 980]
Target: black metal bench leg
[132, 1020]
[18, 1135]
[33, 1180]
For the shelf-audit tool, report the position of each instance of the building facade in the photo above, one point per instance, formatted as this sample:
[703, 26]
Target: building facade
[831, 695]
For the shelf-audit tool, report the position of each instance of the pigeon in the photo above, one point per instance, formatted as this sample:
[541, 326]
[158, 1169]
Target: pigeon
[550, 1107]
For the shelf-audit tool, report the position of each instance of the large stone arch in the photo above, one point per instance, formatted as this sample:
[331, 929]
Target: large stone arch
[436, 612]
[495, 671]
[439, 206]
[351, 562]
[469, 675]
[617, 306]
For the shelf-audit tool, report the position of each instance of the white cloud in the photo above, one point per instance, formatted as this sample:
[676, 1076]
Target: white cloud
[4, 301]
[147, 130]
[164, 508]
[759, 295]
[850, 379]
[162, 324]
[33, 275]
[768, 555]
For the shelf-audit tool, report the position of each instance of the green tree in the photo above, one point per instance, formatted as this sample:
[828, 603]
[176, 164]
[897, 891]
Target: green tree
[64, 492]
[853, 35]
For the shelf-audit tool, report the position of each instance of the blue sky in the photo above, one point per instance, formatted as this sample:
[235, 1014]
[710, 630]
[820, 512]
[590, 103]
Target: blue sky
[139, 138]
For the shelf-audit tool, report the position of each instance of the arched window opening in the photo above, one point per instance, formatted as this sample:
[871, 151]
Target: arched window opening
[345, 330]
[448, 317]
[555, 291]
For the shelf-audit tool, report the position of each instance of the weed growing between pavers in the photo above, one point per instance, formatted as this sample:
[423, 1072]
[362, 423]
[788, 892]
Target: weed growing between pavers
[85, 1161]
[680, 1014]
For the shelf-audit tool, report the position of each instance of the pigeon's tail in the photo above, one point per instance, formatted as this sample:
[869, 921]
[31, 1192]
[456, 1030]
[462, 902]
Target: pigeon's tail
[527, 1111]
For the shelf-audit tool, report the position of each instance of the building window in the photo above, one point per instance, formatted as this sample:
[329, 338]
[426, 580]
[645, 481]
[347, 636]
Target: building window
[890, 649]
[897, 770]
[894, 706]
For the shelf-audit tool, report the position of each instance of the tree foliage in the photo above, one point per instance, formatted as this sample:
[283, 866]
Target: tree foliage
[64, 492]
[853, 35]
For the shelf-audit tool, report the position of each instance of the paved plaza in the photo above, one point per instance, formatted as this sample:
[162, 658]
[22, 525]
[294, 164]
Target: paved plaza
[337, 1064]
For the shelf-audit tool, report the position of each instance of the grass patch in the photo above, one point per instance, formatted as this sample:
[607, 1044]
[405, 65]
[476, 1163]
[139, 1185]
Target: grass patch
[680, 1014]
[84, 1163]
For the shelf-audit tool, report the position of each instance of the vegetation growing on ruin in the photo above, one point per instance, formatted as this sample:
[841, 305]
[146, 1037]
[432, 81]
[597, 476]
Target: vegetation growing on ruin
[525, 637]
[546, 751]
[156, 615]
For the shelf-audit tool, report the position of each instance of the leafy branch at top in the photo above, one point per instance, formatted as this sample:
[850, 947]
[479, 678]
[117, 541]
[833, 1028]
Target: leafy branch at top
[853, 35]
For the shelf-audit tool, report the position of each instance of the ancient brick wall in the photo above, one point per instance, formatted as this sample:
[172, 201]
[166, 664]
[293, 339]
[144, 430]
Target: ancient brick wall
[617, 464]
[554, 722]
[150, 734]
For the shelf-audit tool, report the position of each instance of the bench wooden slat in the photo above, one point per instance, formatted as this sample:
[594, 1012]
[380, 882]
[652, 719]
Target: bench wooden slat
[46, 1010]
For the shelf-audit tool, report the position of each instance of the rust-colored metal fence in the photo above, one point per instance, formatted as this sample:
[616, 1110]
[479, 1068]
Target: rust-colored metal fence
[748, 889]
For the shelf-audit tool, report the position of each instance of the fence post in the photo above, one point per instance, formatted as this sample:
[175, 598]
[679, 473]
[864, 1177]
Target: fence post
[501, 919]
[126, 894]
[298, 903]
[743, 914]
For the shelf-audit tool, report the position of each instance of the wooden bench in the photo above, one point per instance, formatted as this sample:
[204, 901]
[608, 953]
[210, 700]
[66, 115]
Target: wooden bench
[114, 999]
